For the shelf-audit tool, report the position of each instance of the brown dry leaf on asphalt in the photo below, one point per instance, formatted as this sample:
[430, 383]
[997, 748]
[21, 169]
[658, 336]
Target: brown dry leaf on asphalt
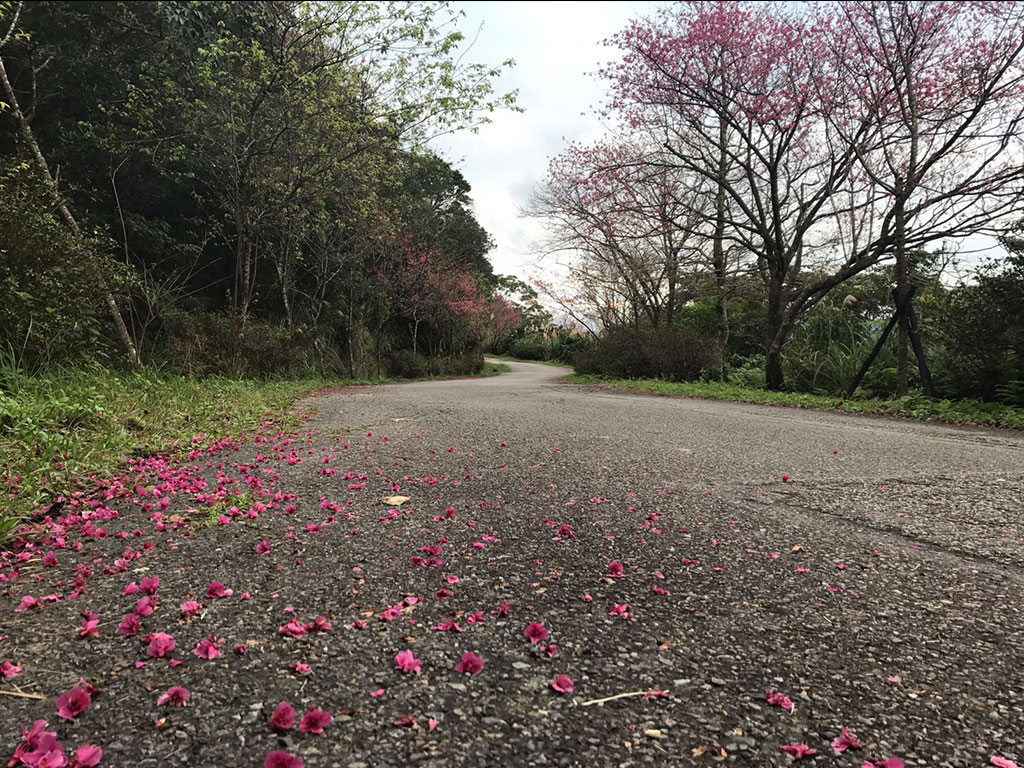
[698, 751]
[394, 500]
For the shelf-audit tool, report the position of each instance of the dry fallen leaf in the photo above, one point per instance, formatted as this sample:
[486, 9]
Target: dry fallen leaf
[394, 500]
[698, 751]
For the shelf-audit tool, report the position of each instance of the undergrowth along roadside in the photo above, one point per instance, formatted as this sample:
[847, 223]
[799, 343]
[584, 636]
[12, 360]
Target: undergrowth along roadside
[971, 412]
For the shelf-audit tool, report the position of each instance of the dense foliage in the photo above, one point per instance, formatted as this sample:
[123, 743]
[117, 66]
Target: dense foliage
[253, 183]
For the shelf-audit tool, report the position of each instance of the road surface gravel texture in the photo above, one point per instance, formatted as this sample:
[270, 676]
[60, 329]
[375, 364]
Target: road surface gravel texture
[740, 578]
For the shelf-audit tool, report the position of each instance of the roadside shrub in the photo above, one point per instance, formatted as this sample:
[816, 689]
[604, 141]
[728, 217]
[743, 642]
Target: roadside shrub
[406, 364]
[673, 354]
[51, 285]
[467, 364]
[211, 343]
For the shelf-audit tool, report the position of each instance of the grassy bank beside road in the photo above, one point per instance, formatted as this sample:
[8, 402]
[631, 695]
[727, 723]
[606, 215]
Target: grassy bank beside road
[60, 427]
[972, 412]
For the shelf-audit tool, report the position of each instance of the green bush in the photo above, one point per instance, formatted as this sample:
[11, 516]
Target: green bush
[671, 354]
[211, 343]
[51, 284]
[406, 364]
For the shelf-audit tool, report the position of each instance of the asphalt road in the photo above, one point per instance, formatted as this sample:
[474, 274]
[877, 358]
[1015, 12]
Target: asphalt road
[683, 584]
[911, 534]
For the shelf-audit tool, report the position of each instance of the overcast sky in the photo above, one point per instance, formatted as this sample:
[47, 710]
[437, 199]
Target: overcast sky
[555, 45]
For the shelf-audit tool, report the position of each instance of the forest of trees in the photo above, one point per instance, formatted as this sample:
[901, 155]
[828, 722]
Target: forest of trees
[242, 188]
[777, 179]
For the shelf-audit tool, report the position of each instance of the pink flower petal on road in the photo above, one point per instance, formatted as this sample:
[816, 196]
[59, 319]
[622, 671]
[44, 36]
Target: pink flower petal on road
[562, 684]
[175, 696]
[74, 702]
[315, 721]
[283, 718]
[471, 664]
[280, 759]
[406, 662]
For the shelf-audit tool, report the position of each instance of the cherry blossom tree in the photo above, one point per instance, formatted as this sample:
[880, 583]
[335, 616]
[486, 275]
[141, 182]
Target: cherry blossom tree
[945, 83]
[626, 224]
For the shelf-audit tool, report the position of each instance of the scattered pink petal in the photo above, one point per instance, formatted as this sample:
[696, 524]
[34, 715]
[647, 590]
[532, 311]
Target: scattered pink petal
[9, 669]
[300, 668]
[281, 759]
[175, 696]
[471, 664]
[797, 751]
[74, 702]
[283, 718]
[315, 721]
[208, 648]
[562, 684]
[406, 662]
[535, 632]
[87, 756]
[1002, 762]
[263, 547]
[160, 644]
[844, 741]
[778, 699]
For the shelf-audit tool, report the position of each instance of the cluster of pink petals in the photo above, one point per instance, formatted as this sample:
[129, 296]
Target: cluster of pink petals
[160, 644]
[283, 718]
[406, 662]
[130, 625]
[797, 751]
[471, 664]
[208, 648]
[622, 611]
[74, 702]
[779, 699]
[40, 748]
[28, 603]
[280, 759]
[535, 632]
[562, 684]
[216, 590]
[844, 741]
[315, 721]
[175, 696]
[90, 625]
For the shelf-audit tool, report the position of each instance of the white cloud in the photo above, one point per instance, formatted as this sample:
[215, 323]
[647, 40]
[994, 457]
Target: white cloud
[555, 45]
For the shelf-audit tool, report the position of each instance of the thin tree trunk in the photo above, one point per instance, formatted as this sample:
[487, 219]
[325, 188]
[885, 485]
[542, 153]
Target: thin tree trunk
[773, 375]
[718, 254]
[915, 338]
[69, 220]
[902, 298]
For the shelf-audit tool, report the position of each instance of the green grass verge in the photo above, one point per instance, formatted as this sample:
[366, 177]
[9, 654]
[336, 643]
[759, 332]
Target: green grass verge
[973, 412]
[58, 428]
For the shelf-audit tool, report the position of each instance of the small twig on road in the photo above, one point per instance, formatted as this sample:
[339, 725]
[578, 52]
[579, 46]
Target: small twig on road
[22, 695]
[613, 698]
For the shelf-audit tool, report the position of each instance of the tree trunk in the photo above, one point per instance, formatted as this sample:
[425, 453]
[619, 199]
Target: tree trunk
[69, 220]
[773, 376]
[718, 255]
[902, 298]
